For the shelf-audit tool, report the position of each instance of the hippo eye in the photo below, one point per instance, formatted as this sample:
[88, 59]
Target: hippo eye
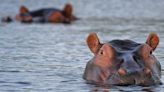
[101, 52]
[146, 51]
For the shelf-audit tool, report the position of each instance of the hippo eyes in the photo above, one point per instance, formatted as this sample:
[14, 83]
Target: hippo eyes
[146, 51]
[101, 52]
[106, 51]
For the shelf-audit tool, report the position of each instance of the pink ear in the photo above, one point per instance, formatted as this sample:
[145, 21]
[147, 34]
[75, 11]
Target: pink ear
[93, 42]
[68, 10]
[152, 40]
[23, 9]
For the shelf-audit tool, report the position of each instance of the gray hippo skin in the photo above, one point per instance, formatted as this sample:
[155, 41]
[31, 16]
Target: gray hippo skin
[123, 62]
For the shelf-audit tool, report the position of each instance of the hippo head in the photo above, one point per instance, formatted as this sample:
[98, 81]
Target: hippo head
[24, 15]
[123, 62]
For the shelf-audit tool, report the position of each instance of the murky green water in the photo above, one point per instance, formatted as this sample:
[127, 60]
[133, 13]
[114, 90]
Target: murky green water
[52, 57]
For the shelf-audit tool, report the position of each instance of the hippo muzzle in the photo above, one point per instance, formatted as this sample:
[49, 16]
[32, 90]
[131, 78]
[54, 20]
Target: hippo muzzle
[123, 62]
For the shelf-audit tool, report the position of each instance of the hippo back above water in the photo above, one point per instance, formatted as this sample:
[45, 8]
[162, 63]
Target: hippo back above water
[123, 62]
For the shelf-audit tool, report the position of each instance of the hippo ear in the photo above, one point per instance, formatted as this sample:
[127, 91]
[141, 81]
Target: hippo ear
[68, 10]
[93, 42]
[23, 9]
[152, 40]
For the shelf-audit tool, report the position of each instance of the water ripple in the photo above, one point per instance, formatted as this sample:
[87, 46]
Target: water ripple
[52, 57]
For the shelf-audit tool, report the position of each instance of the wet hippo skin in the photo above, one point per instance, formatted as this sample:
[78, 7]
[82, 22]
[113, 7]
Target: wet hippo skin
[123, 62]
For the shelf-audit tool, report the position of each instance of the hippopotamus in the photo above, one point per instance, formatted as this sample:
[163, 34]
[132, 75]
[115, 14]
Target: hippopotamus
[123, 62]
[44, 15]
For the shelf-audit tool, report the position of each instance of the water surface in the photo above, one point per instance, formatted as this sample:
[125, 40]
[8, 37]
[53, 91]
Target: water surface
[52, 57]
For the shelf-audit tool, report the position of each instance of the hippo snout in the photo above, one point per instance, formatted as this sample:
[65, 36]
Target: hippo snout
[124, 72]
[130, 65]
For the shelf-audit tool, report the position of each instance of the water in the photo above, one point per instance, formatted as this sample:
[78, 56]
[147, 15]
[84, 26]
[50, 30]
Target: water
[52, 57]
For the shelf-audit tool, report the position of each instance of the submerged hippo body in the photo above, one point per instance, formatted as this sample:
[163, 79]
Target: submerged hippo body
[123, 62]
[51, 15]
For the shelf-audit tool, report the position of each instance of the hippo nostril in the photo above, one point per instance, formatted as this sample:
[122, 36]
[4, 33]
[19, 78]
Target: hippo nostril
[122, 71]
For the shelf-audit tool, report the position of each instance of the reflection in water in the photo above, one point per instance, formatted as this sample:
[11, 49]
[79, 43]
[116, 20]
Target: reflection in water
[98, 88]
[107, 88]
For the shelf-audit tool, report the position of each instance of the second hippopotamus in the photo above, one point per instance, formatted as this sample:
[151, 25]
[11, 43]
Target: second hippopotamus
[44, 15]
